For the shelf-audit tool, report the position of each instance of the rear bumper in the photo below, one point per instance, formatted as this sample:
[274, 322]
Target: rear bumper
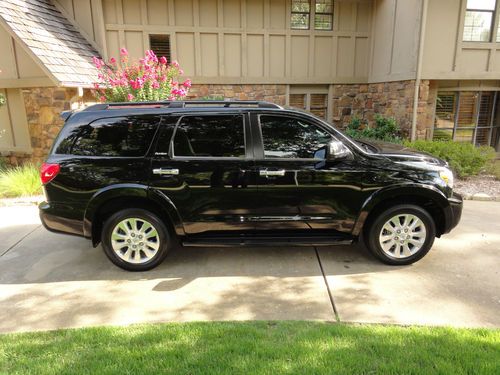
[54, 220]
[453, 212]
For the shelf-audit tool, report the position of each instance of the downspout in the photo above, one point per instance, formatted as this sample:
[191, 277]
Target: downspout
[418, 75]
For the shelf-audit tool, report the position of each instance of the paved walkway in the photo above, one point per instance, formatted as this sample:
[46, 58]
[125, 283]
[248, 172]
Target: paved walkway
[50, 281]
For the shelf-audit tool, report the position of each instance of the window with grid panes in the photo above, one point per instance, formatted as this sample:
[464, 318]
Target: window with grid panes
[323, 17]
[301, 14]
[479, 18]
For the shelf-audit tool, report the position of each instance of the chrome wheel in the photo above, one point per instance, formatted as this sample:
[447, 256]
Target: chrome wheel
[402, 236]
[135, 240]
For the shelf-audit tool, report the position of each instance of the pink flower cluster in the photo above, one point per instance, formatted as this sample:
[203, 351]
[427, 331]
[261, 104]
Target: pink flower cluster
[149, 79]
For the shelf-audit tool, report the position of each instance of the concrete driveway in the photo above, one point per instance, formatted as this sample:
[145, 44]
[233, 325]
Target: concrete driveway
[50, 281]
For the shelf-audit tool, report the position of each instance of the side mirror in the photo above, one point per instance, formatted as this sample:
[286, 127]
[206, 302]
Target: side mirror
[337, 150]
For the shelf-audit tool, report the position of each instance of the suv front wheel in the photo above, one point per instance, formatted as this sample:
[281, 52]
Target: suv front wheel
[401, 235]
[135, 239]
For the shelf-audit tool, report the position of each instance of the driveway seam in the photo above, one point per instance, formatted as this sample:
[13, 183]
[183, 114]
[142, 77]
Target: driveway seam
[22, 238]
[330, 295]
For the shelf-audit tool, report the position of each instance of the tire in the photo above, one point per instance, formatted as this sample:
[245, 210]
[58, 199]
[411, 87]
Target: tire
[135, 239]
[412, 242]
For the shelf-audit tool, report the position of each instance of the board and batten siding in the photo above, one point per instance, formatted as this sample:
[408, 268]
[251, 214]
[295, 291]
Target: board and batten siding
[244, 41]
[446, 55]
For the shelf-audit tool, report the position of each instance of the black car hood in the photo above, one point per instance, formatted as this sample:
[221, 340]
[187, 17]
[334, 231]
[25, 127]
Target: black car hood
[401, 153]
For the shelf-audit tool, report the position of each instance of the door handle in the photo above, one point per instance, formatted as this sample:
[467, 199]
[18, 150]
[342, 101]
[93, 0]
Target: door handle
[267, 173]
[162, 171]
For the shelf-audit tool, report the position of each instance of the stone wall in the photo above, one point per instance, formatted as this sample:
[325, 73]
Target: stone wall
[389, 99]
[272, 93]
[43, 109]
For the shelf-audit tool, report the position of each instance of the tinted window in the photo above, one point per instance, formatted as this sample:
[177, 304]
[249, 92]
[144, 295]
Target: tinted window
[119, 136]
[210, 136]
[287, 137]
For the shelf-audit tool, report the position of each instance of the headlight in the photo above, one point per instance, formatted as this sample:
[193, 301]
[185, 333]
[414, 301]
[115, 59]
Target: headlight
[447, 176]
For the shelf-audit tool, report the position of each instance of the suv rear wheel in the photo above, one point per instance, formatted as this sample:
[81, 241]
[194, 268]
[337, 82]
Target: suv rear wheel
[135, 239]
[401, 235]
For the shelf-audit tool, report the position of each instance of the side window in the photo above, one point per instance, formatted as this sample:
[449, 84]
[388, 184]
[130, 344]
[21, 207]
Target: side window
[118, 136]
[291, 138]
[210, 136]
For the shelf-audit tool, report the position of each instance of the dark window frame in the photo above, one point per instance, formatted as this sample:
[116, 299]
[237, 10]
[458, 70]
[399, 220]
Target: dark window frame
[244, 123]
[152, 35]
[302, 13]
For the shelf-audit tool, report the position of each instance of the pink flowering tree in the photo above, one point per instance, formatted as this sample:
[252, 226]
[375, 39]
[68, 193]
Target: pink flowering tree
[149, 79]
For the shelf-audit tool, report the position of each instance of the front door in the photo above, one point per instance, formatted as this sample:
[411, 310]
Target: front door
[299, 189]
[202, 163]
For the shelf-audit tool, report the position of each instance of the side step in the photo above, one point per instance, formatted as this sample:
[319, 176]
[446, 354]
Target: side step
[266, 241]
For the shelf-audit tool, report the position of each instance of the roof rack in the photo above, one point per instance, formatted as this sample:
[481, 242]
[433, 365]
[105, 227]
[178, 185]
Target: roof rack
[183, 104]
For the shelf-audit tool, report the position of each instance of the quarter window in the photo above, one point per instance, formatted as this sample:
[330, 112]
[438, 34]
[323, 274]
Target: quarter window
[210, 136]
[287, 137]
[479, 18]
[119, 136]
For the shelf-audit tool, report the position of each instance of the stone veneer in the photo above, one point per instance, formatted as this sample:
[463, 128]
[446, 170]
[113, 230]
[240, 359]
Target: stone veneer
[271, 93]
[389, 99]
[43, 111]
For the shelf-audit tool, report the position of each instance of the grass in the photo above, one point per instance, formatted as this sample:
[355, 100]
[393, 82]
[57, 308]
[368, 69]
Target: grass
[20, 181]
[253, 348]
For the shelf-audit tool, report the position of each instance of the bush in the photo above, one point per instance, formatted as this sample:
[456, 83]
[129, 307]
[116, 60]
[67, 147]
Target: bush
[464, 158]
[3, 163]
[20, 181]
[386, 129]
[149, 79]
[2, 100]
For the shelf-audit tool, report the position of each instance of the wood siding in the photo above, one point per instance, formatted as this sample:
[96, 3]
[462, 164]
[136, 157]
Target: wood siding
[446, 56]
[244, 41]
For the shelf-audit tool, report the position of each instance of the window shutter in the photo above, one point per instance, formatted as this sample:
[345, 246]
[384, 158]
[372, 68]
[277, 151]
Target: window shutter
[298, 101]
[160, 45]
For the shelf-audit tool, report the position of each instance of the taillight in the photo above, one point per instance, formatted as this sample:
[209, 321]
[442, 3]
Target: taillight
[48, 172]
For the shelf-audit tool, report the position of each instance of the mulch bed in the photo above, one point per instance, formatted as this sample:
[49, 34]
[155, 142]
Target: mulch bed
[478, 184]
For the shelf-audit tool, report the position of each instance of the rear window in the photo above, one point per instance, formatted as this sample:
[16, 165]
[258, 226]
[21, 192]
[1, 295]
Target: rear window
[118, 136]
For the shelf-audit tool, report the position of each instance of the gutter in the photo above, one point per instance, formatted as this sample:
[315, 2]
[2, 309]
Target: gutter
[418, 75]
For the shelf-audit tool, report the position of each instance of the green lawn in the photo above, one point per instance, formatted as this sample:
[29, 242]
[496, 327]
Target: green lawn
[253, 347]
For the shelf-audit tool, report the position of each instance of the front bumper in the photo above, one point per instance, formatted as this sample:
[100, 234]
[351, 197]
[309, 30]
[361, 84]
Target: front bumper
[55, 219]
[453, 213]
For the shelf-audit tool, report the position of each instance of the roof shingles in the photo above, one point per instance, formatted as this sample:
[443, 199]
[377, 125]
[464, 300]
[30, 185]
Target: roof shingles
[51, 39]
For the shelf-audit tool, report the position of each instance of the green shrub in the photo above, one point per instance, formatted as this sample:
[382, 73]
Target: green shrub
[386, 129]
[20, 181]
[2, 100]
[3, 163]
[464, 158]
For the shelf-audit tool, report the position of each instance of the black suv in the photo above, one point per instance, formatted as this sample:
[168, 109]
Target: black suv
[140, 177]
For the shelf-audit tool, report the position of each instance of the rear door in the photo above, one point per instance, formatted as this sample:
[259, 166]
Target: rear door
[202, 164]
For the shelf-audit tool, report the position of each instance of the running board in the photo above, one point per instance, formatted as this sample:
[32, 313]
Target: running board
[266, 241]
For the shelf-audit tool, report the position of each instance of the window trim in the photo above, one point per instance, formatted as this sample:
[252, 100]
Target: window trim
[261, 150]
[243, 115]
[311, 25]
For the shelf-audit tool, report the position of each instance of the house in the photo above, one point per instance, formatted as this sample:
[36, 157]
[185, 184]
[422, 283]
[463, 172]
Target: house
[434, 65]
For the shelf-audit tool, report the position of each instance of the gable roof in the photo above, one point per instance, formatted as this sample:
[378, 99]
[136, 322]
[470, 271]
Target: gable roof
[51, 40]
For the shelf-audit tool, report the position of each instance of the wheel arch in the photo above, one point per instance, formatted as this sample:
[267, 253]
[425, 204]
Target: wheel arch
[427, 197]
[113, 198]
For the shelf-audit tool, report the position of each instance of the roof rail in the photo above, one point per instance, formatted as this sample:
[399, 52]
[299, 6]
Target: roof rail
[184, 104]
